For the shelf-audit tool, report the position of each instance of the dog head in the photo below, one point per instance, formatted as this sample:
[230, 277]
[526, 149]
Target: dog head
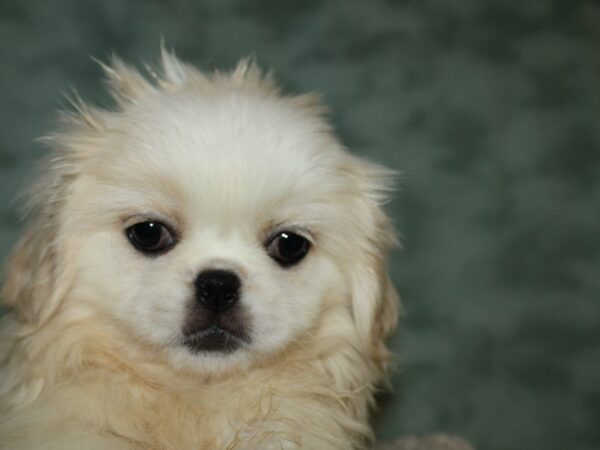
[208, 216]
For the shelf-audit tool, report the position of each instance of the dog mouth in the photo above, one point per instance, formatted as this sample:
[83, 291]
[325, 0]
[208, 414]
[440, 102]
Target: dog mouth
[215, 339]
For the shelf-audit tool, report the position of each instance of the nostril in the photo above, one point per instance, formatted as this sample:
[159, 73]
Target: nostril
[217, 290]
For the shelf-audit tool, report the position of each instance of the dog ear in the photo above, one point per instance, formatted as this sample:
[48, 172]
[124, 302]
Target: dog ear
[36, 275]
[375, 302]
[35, 280]
[375, 309]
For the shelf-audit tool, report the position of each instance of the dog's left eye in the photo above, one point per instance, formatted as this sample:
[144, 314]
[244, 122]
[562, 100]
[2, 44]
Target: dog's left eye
[150, 237]
[288, 248]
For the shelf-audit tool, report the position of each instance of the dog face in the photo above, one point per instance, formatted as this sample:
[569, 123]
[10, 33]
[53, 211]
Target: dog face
[208, 217]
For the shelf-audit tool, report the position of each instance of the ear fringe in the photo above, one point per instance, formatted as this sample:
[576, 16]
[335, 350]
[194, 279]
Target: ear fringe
[380, 182]
[35, 284]
[375, 302]
[37, 276]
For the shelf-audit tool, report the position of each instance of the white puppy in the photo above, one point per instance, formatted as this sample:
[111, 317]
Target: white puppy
[204, 267]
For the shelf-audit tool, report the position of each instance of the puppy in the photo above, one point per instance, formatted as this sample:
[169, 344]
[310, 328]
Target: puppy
[204, 267]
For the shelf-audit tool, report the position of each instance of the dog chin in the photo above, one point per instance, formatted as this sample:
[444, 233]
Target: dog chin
[215, 340]
[202, 361]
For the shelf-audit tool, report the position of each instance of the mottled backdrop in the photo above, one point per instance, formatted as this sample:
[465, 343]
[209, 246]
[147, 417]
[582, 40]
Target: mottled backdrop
[490, 108]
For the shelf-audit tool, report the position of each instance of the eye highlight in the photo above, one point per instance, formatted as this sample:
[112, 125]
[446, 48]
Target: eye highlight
[150, 237]
[288, 248]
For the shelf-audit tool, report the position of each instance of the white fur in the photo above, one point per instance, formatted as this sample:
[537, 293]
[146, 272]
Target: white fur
[91, 354]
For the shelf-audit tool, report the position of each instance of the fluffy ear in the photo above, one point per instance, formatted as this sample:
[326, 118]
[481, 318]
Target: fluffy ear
[36, 281]
[375, 310]
[37, 276]
[374, 299]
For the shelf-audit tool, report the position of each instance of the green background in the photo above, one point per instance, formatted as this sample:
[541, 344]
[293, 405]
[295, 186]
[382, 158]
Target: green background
[489, 108]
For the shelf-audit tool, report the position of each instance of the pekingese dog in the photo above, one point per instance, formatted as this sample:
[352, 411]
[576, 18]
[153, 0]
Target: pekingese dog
[204, 267]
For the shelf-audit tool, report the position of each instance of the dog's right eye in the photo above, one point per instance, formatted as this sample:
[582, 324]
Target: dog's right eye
[150, 237]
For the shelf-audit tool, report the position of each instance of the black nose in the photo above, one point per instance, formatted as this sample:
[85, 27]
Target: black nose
[217, 290]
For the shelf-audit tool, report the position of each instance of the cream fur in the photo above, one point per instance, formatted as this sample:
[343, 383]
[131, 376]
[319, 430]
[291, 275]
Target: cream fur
[90, 356]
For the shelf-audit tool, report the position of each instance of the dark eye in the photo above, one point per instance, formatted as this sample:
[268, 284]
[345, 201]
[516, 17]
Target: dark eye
[288, 248]
[150, 237]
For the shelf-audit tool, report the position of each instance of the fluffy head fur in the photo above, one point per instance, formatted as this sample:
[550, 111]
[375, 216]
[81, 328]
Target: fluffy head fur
[92, 355]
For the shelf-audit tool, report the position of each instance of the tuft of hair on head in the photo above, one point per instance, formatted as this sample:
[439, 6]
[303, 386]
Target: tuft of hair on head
[248, 73]
[174, 72]
[127, 85]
